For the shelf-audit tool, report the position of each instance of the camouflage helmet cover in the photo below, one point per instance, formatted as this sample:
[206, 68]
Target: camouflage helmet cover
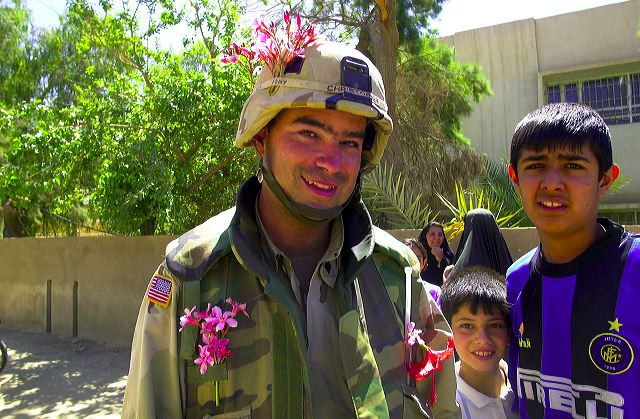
[317, 83]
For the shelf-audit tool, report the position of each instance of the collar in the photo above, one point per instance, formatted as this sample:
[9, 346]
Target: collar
[357, 242]
[330, 260]
[613, 233]
[478, 399]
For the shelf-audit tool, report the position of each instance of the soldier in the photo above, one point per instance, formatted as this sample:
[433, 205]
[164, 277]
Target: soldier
[324, 288]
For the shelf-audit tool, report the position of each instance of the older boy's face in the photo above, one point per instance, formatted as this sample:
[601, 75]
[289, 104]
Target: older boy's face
[560, 189]
[481, 339]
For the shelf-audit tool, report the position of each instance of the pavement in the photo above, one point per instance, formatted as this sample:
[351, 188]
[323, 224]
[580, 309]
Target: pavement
[49, 376]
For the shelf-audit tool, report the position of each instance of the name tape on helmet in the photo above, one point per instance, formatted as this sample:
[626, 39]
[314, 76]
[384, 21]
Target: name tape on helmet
[323, 87]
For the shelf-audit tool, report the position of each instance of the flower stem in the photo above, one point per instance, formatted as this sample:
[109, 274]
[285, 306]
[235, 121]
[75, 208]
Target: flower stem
[217, 393]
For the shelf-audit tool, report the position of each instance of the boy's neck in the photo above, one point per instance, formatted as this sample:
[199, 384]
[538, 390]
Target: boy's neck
[562, 248]
[491, 383]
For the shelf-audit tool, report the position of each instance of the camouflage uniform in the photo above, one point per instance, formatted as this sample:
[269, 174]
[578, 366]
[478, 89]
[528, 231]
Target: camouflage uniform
[268, 375]
[278, 367]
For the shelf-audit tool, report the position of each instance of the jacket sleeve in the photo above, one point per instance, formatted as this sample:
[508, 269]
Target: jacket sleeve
[437, 333]
[155, 386]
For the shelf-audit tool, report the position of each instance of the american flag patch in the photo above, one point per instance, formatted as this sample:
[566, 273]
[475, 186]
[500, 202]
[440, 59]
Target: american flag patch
[160, 290]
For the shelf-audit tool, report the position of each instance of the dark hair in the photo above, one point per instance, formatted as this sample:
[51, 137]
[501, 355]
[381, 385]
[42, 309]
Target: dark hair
[563, 125]
[475, 285]
[416, 243]
[422, 238]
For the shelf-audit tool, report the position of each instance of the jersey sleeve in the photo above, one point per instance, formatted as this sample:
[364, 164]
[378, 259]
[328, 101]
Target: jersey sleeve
[155, 386]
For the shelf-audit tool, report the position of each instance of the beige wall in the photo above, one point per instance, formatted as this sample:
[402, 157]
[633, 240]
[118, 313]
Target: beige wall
[517, 56]
[112, 275]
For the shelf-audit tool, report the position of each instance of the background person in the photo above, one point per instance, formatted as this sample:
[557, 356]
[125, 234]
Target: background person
[421, 253]
[482, 244]
[439, 253]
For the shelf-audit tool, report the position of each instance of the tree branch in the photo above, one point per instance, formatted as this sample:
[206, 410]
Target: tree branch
[195, 185]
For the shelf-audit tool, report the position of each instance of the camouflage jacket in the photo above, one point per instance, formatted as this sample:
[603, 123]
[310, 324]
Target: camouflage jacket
[267, 375]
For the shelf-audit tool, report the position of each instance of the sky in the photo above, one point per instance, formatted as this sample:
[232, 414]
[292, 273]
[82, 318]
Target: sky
[456, 16]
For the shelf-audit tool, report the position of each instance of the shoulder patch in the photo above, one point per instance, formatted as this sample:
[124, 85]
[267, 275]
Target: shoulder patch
[160, 290]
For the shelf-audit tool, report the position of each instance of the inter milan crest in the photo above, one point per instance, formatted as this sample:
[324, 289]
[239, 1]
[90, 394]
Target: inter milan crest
[610, 352]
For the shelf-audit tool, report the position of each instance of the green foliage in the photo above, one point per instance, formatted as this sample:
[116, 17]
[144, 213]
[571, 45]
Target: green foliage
[412, 17]
[133, 139]
[346, 19]
[493, 191]
[434, 93]
[18, 78]
[392, 202]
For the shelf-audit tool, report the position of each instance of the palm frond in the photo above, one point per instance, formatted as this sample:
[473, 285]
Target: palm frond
[391, 201]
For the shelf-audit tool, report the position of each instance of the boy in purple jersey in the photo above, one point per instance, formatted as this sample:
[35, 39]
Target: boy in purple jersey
[574, 297]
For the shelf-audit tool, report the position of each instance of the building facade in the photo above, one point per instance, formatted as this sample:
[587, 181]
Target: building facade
[590, 56]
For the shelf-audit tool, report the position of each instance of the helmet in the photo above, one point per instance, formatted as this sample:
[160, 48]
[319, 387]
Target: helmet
[328, 75]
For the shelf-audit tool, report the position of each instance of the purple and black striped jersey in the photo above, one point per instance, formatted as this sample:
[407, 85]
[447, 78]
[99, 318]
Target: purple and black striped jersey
[577, 331]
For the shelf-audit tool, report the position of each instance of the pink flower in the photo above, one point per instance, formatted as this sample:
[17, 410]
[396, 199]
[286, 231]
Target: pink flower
[213, 324]
[208, 332]
[413, 335]
[188, 319]
[221, 320]
[276, 48]
[220, 349]
[204, 359]
[236, 308]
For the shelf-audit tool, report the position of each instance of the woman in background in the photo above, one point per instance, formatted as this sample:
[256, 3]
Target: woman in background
[482, 243]
[439, 253]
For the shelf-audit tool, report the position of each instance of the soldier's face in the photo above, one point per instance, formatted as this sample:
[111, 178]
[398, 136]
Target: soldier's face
[314, 154]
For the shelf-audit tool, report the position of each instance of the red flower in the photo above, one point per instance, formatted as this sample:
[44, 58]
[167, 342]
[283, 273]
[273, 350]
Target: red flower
[432, 362]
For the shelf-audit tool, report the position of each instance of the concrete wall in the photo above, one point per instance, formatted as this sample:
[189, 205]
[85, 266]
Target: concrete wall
[517, 57]
[112, 274]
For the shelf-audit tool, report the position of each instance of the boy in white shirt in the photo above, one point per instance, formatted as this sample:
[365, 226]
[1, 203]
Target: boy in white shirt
[474, 302]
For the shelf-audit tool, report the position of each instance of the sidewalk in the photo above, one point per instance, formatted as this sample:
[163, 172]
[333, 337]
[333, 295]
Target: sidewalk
[49, 376]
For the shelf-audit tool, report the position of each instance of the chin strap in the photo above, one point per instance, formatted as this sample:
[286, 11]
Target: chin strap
[303, 212]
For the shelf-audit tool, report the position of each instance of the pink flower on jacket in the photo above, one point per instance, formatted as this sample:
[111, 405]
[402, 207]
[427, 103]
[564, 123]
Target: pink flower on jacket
[236, 308]
[188, 319]
[221, 320]
[205, 359]
[413, 335]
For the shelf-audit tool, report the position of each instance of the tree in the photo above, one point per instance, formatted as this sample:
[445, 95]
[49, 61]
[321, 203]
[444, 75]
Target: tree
[137, 139]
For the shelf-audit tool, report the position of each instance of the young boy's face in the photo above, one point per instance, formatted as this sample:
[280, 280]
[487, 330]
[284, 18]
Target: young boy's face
[481, 339]
[560, 189]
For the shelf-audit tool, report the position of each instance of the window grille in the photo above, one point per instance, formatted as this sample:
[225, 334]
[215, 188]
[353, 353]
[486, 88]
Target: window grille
[616, 99]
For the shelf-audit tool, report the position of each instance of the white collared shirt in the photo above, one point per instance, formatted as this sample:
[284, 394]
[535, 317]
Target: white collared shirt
[475, 405]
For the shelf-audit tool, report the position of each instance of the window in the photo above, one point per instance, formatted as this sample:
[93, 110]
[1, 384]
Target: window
[616, 99]
[624, 217]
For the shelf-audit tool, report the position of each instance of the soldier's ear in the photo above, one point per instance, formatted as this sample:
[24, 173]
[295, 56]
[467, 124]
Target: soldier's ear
[260, 140]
